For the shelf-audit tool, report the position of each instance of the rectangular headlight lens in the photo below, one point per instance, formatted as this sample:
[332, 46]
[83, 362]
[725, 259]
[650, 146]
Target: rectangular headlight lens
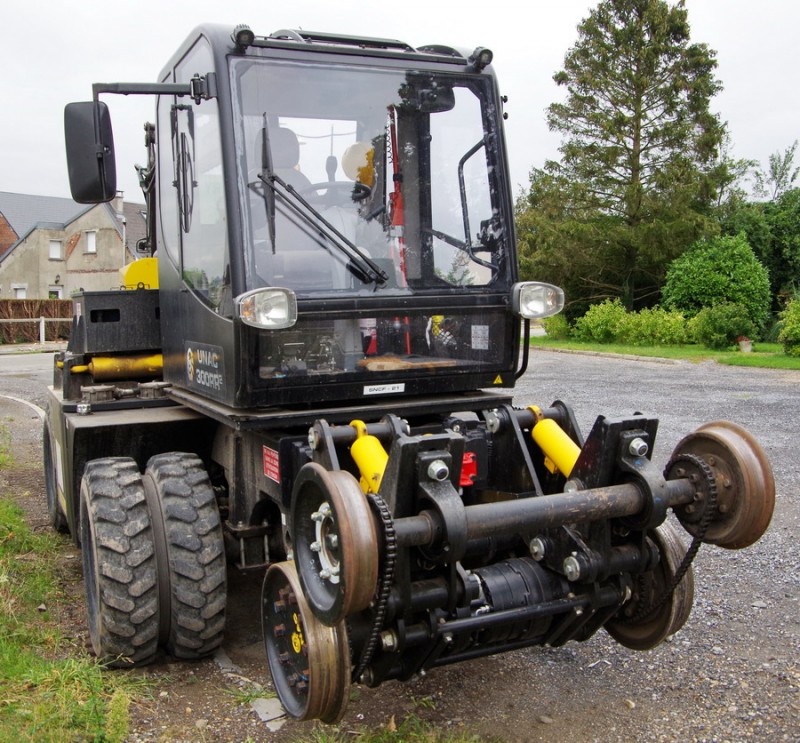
[272, 308]
[533, 300]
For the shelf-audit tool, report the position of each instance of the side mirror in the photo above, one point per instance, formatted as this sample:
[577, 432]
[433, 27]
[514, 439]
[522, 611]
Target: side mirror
[90, 152]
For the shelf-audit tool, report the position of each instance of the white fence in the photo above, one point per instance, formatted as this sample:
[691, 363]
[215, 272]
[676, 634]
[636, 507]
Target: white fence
[42, 321]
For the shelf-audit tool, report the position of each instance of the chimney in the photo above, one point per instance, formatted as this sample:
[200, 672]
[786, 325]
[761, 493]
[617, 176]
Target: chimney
[118, 203]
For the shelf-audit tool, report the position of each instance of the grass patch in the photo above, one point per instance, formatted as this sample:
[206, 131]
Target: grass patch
[764, 355]
[43, 695]
[412, 728]
[5, 448]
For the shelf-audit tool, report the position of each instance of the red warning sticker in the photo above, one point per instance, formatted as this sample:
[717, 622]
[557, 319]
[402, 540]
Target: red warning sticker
[272, 464]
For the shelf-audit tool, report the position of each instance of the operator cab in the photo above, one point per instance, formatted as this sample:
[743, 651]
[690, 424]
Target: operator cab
[334, 221]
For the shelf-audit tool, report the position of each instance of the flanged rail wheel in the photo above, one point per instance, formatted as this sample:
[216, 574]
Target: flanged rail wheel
[309, 661]
[744, 479]
[335, 542]
[119, 563]
[652, 628]
[190, 552]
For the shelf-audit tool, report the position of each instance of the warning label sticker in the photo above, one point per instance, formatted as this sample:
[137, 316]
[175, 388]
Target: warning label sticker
[272, 464]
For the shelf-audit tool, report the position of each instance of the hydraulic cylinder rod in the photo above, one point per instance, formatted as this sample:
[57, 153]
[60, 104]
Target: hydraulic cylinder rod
[534, 514]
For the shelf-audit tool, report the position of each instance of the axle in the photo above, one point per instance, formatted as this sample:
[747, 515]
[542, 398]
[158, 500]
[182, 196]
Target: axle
[485, 520]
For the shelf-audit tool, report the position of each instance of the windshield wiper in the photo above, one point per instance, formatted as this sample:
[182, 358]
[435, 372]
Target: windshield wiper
[468, 248]
[359, 264]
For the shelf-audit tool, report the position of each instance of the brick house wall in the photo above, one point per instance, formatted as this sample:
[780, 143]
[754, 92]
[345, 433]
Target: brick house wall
[7, 235]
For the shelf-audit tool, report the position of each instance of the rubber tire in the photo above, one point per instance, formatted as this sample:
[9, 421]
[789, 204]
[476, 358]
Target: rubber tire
[119, 564]
[192, 565]
[58, 519]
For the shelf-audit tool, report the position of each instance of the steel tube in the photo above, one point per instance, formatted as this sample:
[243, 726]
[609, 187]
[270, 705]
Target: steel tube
[608, 596]
[541, 512]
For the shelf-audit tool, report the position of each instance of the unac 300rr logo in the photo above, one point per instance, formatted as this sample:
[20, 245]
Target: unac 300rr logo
[204, 367]
[190, 364]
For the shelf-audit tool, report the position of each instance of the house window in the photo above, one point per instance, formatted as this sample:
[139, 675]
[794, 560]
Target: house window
[55, 250]
[20, 291]
[55, 292]
[91, 242]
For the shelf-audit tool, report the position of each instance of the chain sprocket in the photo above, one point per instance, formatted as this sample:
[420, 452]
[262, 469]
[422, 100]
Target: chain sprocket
[703, 477]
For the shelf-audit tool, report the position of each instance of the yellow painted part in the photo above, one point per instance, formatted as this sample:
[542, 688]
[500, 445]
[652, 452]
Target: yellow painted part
[559, 448]
[370, 458]
[104, 368]
[141, 274]
[537, 412]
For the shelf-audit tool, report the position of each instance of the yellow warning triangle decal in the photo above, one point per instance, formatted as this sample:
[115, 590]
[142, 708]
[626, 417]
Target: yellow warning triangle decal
[498, 379]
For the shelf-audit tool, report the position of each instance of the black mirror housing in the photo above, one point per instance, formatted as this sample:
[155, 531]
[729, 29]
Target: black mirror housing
[90, 152]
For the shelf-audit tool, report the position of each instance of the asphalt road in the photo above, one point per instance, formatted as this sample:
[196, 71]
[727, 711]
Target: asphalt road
[731, 674]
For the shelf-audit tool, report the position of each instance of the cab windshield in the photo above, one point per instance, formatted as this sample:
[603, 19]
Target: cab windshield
[361, 180]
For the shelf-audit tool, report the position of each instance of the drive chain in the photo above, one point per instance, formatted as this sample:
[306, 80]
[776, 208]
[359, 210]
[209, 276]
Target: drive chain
[384, 583]
[710, 511]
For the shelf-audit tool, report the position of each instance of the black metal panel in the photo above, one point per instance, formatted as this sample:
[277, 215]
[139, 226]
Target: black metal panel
[115, 322]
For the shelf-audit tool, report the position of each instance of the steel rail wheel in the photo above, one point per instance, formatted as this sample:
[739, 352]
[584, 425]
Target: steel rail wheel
[335, 542]
[745, 484]
[309, 661]
[652, 628]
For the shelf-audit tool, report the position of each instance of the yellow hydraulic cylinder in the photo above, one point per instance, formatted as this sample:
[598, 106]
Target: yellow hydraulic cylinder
[561, 452]
[370, 457]
[142, 273]
[107, 368]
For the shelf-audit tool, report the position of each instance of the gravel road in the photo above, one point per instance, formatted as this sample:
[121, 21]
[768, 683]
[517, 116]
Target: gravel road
[732, 673]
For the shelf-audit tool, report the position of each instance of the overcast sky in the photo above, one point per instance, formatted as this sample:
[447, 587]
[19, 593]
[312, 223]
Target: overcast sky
[52, 52]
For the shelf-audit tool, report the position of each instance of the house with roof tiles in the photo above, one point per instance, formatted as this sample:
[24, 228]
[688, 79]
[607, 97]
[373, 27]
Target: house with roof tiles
[52, 247]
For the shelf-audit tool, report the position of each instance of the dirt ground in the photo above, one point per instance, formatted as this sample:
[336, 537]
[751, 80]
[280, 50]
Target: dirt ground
[732, 673]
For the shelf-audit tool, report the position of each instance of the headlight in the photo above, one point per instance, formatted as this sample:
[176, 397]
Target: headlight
[532, 300]
[271, 308]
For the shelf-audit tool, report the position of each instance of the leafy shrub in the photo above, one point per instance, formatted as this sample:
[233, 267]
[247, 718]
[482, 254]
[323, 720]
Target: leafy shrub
[718, 271]
[600, 323]
[653, 327]
[719, 326]
[557, 327]
[789, 334]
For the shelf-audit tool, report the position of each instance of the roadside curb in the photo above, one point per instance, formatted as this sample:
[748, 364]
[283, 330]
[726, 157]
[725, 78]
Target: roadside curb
[8, 349]
[602, 354]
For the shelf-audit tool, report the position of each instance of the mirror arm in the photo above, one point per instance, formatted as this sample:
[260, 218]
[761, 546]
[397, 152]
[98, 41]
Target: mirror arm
[199, 88]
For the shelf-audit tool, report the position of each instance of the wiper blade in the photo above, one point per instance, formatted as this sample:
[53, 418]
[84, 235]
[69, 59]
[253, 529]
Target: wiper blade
[269, 194]
[360, 265]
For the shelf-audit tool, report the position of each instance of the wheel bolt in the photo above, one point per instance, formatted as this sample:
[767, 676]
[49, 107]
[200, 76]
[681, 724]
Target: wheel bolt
[324, 574]
[388, 641]
[438, 470]
[315, 546]
[638, 447]
[537, 548]
[572, 568]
